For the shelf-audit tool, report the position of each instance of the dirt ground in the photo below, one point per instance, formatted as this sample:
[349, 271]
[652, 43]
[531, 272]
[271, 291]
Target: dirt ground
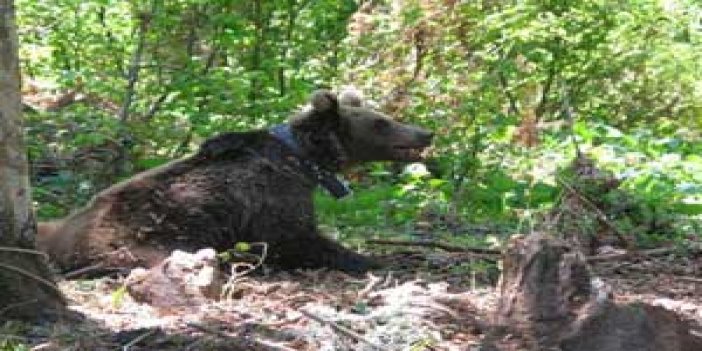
[427, 300]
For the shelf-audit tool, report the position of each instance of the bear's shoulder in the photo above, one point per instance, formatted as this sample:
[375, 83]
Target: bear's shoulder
[232, 143]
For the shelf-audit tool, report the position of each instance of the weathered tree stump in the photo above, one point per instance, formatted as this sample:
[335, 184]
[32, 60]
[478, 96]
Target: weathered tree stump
[549, 298]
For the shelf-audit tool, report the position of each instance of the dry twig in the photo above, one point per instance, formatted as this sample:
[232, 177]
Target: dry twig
[236, 275]
[373, 282]
[341, 329]
[138, 339]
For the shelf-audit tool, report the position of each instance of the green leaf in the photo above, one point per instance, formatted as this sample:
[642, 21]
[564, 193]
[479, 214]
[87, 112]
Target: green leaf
[242, 247]
[118, 296]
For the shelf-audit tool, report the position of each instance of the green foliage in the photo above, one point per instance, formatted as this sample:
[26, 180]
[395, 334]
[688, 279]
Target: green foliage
[242, 247]
[201, 66]
[480, 74]
[508, 87]
[660, 195]
[12, 336]
[71, 154]
[10, 345]
[426, 343]
[118, 296]
[197, 68]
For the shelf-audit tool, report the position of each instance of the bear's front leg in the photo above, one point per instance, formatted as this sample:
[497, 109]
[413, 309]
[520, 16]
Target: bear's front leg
[317, 251]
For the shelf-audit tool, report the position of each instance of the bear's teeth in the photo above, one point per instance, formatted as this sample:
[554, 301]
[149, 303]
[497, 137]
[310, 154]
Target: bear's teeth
[424, 153]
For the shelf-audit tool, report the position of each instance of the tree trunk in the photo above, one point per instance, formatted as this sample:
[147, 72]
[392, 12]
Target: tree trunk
[26, 289]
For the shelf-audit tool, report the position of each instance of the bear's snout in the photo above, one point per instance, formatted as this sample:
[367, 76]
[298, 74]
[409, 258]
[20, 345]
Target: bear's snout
[425, 136]
[418, 137]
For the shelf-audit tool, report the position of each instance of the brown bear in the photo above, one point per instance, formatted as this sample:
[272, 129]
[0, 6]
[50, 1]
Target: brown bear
[254, 186]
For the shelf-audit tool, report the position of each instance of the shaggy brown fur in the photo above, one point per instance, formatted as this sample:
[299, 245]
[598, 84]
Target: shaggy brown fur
[240, 187]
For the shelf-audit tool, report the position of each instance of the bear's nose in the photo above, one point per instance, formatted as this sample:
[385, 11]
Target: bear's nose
[426, 136]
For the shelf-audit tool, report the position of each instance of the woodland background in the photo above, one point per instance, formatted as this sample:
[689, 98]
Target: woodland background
[512, 89]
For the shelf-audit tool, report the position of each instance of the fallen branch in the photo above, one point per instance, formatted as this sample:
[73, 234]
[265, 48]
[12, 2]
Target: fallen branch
[652, 252]
[691, 279]
[32, 276]
[209, 330]
[80, 271]
[487, 253]
[243, 344]
[600, 215]
[493, 254]
[21, 250]
[341, 329]
[97, 269]
[16, 305]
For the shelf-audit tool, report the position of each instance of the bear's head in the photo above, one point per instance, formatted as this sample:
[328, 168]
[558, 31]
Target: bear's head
[339, 131]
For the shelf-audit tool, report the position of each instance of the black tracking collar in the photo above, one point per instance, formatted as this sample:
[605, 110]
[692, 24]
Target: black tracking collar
[327, 179]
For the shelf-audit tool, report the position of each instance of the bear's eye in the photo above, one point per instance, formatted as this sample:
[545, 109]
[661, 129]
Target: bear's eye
[381, 125]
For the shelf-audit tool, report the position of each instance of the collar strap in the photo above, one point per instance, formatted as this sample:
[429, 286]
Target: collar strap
[283, 133]
[327, 179]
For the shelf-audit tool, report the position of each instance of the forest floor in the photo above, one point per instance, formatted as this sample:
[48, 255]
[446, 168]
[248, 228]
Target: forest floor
[411, 305]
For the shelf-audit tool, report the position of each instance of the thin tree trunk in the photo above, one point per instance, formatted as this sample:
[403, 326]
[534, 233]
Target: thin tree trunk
[133, 74]
[119, 166]
[256, 51]
[26, 288]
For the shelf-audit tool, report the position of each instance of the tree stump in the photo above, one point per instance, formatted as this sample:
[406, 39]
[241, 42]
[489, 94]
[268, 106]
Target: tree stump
[549, 298]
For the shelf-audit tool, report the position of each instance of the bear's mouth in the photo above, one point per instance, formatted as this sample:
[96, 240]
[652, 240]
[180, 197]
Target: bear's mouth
[410, 153]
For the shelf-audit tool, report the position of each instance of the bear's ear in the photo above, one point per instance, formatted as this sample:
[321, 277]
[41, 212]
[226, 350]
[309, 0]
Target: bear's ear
[324, 100]
[351, 97]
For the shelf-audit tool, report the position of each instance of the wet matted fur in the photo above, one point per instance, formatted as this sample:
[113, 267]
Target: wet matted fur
[239, 187]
